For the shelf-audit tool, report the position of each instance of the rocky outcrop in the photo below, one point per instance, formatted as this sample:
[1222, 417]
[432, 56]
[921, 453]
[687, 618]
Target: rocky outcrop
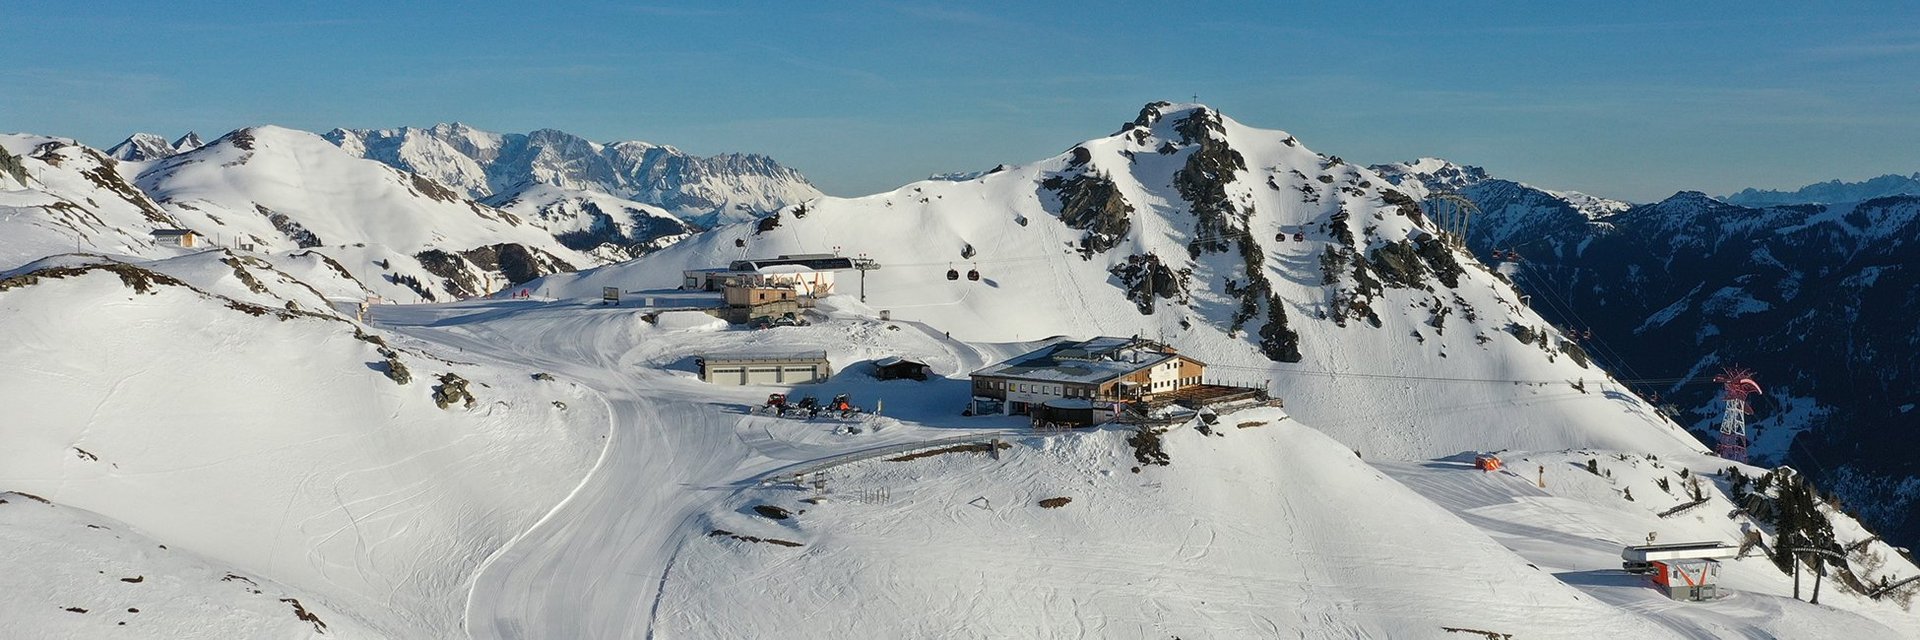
[454, 273]
[1202, 183]
[516, 262]
[290, 228]
[11, 168]
[1092, 203]
[1145, 278]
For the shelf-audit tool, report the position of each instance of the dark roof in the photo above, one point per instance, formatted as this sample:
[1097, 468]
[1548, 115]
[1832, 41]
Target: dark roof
[814, 262]
[172, 232]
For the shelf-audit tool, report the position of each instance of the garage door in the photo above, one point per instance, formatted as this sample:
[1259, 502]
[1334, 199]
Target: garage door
[798, 375]
[763, 375]
[727, 375]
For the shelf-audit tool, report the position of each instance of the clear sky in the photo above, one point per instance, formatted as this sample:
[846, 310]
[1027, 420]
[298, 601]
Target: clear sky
[1624, 99]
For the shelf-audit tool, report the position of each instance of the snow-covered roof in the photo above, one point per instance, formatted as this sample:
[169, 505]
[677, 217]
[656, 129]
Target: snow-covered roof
[766, 356]
[783, 268]
[1086, 362]
[811, 261]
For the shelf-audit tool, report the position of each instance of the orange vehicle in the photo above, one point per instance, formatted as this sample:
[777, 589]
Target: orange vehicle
[1486, 462]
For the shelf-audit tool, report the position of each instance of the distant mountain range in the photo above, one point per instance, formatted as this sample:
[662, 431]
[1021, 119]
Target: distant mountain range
[1831, 191]
[496, 168]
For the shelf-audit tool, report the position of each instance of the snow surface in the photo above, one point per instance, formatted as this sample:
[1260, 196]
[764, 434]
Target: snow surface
[76, 574]
[276, 444]
[596, 488]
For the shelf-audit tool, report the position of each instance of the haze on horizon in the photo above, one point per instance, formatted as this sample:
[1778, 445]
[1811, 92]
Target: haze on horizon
[1627, 100]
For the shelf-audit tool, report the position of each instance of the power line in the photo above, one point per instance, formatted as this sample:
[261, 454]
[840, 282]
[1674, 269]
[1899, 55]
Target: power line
[1390, 376]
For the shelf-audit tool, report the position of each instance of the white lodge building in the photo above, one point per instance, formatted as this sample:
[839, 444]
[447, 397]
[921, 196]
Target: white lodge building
[1103, 369]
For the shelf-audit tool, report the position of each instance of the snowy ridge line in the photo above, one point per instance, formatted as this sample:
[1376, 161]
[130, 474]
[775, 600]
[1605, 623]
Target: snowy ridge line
[795, 471]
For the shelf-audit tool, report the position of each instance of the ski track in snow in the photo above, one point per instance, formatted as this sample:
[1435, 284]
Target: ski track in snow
[595, 565]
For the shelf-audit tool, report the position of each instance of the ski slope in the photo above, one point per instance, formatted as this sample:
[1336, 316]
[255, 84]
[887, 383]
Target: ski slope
[263, 433]
[1248, 532]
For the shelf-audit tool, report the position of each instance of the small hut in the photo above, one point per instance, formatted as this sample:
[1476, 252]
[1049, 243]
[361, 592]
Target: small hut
[897, 368]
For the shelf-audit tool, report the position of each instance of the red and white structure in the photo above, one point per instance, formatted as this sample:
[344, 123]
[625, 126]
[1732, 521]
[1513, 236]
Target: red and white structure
[1686, 571]
[1736, 384]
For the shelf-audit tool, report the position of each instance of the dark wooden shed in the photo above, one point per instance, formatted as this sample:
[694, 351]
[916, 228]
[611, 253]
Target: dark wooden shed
[897, 368]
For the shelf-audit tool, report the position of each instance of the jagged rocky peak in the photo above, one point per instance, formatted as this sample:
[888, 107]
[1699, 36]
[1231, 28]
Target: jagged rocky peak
[188, 142]
[1435, 174]
[141, 147]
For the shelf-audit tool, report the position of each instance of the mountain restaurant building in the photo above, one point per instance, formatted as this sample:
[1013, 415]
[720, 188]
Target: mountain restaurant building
[1103, 371]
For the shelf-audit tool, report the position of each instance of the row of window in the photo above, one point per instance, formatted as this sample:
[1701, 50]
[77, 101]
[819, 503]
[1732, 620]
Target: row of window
[1078, 392]
[1042, 389]
[1175, 384]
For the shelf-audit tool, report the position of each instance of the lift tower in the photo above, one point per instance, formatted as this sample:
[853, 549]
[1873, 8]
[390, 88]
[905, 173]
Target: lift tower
[1452, 212]
[1736, 384]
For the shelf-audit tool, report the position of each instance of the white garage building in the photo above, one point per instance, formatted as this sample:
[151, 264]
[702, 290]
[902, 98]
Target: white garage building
[765, 368]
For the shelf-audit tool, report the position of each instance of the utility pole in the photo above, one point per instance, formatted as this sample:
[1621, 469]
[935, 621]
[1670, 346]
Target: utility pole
[864, 264]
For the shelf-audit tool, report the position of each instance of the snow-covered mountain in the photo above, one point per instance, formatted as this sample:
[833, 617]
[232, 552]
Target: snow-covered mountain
[1189, 220]
[554, 468]
[187, 142]
[1831, 192]
[497, 167]
[1762, 286]
[57, 195]
[607, 227]
[1804, 293]
[1509, 211]
[273, 190]
[140, 147]
[1181, 226]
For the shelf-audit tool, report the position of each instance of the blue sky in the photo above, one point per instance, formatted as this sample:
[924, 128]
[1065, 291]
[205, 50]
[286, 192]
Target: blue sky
[1624, 99]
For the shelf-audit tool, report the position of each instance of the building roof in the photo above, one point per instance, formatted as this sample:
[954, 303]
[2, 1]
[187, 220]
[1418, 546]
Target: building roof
[172, 232]
[1084, 362]
[775, 356]
[811, 261]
